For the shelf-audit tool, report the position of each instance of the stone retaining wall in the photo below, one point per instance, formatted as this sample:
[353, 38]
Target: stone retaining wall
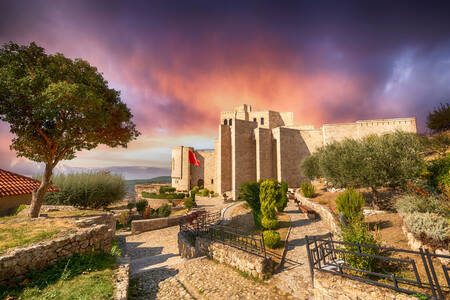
[330, 287]
[122, 280]
[138, 226]
[149, 188]
[253, 265]
[18, 262]
[324, 212]
[107, 219]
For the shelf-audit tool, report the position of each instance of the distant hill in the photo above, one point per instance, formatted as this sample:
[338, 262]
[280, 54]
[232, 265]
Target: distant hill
[130, 183]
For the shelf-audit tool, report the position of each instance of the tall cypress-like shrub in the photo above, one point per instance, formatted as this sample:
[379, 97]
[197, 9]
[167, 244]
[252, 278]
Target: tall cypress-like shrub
[269, 192]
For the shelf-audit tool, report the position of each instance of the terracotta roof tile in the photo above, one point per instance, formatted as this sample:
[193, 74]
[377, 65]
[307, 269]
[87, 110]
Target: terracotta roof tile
[15, 184]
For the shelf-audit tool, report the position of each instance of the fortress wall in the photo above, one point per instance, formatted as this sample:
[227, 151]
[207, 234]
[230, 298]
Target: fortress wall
[276, 152]
[258, 115]
[223, 152]
[359, 129]
[293, 149]
[207, 169]
[243, 154]
[180, 168]
[312, 138]
[385, 126]
[288, 118]
[226, 115]
[263, 139]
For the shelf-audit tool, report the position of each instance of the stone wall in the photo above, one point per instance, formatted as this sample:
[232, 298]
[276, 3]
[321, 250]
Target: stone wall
[331, 287]
[148, 187]
[243, 154]
[253, 265]
[207, 170]
[224, 160]
[107, 219]
[263, 140]
[323, 211]
[138, 226]
[20, 261]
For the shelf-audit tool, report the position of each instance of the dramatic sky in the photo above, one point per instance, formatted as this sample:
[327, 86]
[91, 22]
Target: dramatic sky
[179, 63]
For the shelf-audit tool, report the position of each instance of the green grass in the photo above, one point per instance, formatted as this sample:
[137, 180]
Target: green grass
[80, 277]
[19, 237]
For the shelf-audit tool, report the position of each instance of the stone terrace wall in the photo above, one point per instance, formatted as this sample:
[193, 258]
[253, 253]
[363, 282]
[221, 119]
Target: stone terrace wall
[148, 187]
[330, 287]
[253, 265]
[37, 256]
[324, 212]
[138, 226]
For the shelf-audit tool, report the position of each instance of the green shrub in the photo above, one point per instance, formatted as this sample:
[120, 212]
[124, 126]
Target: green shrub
[163, 196]
[249, 192]
[123, 218]
[166, 189]
[269, 223]
[269, 193]
[195, 189]
[439, 172]
[271, 239]
[429, 225]
[205, 193]
[131, 205]
[358, 232]
[308, 190]
[350, 204]
[188, 203]
[20, 208]
[93, 190]
[141, 205]
[211, 193]
[192, 196]
[163, 211]
[411, 203]
[282, 198]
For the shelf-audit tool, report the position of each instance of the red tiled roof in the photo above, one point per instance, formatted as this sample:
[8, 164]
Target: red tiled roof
[15, 184]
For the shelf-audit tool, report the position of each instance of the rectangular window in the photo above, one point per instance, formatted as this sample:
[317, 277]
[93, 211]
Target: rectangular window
[254, 120]
[262, 121]
[231, 122]
[212, 181]
[225, 122]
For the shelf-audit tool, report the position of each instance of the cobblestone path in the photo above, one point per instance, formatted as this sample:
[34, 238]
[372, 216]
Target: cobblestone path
[295, 277]
[158, 272]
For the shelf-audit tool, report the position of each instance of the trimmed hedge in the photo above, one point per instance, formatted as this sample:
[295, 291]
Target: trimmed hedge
[271, 239]
[163, 196]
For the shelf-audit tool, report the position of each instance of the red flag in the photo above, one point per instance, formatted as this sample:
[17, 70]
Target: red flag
[193, 159]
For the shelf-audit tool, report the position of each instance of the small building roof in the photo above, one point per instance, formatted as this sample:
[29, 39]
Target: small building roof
[15, 184]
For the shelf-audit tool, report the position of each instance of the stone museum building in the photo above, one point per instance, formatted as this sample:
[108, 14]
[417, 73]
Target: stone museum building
[253, 145]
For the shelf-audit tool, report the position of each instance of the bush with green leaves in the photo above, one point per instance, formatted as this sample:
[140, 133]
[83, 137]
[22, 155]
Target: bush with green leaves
[195, 189]
[166, 189]
[438, 174]
[271, 238]
[390, 160]
[87, 190]
[188, 203]
[131, 205]
[439, 119]
[163, 196]
[20, 208]
[163, 211]
[308, 190]
[123, 218]
[268, 195]
[249, 192]
[357, 232]
[350, 204]
[141, 205]
[411, 203]
[205, 192]
[428, 225]
[282, 200]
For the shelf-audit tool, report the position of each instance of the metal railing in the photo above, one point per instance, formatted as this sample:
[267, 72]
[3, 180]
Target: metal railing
[207, 225]
[406, 271]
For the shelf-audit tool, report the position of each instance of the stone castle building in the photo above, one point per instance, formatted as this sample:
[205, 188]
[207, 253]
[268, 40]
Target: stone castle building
[253, 145]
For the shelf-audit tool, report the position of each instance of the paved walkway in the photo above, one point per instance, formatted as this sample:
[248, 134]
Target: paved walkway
[295, 277]
[161, 273]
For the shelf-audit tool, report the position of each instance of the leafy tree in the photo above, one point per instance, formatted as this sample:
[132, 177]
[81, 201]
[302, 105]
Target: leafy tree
[439, 119]
[56, 106]
[390, 160]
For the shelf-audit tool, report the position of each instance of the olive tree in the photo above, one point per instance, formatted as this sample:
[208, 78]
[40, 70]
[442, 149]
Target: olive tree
[389, 160]
[56, 106]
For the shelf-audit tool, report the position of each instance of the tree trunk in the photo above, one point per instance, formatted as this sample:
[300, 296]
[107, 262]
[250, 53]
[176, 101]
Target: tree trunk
[38, 194]
[375, 198]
